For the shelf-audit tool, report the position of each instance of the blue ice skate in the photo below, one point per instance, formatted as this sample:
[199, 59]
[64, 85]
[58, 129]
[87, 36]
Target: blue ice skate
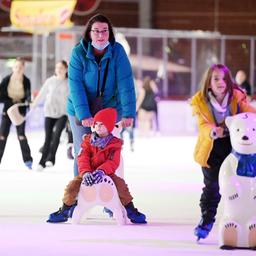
[203, 229]
[134, 215]
[29, 164]
[62, 214]
[108, 211]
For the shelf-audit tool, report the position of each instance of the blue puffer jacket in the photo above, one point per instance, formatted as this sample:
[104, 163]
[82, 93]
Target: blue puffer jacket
[84, 73]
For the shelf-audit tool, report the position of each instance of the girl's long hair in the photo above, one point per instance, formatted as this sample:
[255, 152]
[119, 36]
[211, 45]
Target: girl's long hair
[206, 80]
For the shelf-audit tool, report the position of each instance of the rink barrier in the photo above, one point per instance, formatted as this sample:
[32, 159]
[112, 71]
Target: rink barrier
[174, 118]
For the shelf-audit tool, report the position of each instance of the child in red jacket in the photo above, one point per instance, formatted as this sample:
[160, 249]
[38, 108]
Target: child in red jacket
[99, 156]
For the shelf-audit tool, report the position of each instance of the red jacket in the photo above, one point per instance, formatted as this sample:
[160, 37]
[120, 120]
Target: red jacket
[91, 158]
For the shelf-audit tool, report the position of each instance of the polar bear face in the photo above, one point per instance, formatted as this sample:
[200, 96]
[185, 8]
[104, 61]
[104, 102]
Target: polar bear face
[242, 129]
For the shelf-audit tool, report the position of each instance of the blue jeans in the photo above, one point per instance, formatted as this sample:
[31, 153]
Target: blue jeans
[130, 131]
[78, 132]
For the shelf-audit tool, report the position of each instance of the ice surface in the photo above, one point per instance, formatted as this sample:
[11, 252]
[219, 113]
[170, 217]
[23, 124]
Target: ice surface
[162, 177]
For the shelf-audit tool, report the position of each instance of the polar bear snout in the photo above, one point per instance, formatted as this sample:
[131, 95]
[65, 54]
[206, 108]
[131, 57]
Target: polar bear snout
[244, 140]
[245, 137]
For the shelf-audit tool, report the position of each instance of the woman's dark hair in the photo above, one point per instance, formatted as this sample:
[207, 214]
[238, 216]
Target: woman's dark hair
[65, 64]
[146, 83]
[98, 18]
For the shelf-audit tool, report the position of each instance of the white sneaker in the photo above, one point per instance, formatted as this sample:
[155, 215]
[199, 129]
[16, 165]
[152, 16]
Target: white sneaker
[39, 168]
[49, 164]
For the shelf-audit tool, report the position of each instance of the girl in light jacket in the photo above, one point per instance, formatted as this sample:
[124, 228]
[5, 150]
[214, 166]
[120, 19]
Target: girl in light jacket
[53, 93]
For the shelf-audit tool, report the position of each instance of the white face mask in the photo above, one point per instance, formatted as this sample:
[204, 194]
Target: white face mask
[100, 47]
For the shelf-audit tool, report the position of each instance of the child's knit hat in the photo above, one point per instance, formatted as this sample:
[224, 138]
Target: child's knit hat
[108, 117]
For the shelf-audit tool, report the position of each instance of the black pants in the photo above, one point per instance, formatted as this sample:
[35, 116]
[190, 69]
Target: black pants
[4, 133]
[210, 196]
[69, 132]
[53, 128]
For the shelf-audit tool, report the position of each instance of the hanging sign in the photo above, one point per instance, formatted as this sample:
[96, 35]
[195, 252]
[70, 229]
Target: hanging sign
[41, 16]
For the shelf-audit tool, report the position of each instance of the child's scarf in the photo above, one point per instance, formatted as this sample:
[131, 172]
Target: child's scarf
[100, 142]
[219, 107]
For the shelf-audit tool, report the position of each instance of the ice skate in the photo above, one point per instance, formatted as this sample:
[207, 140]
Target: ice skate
[134, 215]
[29, 164]
[203, 229]
[108, 211]
[62, 214]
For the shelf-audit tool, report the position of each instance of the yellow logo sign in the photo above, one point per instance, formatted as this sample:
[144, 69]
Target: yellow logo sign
[41, 16]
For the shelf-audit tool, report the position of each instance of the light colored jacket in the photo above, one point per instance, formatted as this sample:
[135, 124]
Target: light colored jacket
[206, 122]
[53, 93]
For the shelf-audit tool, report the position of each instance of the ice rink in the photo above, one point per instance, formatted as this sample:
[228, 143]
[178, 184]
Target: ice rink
[163, 179]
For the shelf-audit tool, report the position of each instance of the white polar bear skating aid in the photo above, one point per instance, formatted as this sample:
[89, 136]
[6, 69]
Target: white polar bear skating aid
[237, 179]
[103, 193]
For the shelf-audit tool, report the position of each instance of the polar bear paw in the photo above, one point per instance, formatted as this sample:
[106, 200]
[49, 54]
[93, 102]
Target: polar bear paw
[252, 236]
[230, 235]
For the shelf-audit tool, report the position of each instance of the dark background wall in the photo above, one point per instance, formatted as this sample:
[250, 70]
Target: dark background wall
[231, 17]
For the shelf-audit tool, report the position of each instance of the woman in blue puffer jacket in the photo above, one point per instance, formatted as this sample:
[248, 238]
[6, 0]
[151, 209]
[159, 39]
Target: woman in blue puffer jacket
[98, 66]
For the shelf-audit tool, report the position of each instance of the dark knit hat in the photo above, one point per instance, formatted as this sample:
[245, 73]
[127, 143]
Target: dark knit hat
[108, 117]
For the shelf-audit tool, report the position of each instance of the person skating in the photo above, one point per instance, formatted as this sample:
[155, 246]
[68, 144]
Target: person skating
[99, 155]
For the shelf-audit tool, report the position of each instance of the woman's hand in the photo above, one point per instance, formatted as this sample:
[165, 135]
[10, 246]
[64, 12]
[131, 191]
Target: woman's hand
[127, 122]
[87, 122]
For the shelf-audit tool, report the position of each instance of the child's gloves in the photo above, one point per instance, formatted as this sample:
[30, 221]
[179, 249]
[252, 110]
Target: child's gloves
[88, 179]
[98, 176]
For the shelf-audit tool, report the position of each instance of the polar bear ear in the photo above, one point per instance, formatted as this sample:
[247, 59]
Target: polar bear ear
[228, 121]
